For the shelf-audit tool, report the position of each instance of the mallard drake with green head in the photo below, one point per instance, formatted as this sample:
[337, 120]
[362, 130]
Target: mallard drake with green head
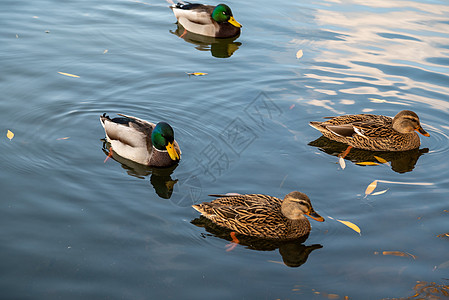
[374, 132]
[262, 216]
[215, 21]
[141, 141]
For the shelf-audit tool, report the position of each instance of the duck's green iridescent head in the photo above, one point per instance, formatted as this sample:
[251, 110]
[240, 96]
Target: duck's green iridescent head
[163, 138]
[222, 13]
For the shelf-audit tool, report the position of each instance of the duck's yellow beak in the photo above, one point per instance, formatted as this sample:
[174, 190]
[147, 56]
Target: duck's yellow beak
[422, 131]
[315, 216]
[234, 22]
[172, 151]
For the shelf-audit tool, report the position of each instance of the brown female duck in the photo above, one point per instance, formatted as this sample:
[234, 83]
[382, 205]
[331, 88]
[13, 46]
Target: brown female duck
[262, 215]
[374, 132]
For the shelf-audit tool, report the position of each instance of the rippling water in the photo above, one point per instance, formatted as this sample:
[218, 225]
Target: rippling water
[74, 226]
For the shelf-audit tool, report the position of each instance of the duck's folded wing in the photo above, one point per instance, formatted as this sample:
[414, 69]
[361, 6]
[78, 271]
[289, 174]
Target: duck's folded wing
[345, 130]
[126, 133]
[197, 13]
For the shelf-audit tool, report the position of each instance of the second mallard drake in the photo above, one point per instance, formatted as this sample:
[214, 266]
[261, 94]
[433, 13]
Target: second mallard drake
[141, 141]
[374, 132]
[261, 215]
[215, 21]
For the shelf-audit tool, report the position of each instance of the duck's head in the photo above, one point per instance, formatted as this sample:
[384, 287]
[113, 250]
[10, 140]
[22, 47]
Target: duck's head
[222, 13]
[407, 121]
[296, 205]
[163, 139]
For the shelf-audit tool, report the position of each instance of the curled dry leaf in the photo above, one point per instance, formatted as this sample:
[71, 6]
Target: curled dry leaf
[9, 134]
[371, 187]
[398, 253]
[367, 163]
[381, 160]
[68, 74]
[379, 193]
[197, 74]
[299, 54]
[342, 163]
[351, 225]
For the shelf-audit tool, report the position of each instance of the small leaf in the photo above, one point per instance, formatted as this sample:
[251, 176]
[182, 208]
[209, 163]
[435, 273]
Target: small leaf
[63, 138]
[367, 163]
[371, 187]
[381, 160]
[197, 74]
[379, 193]
[299, 54]
[9, 134]
[291, 106]
[377, 100]
[105, 51]
[341, 160]
[399, 253]
[350, 225]
[68, 74]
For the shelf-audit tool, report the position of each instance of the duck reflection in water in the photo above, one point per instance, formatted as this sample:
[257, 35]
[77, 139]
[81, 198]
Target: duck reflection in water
[160, 177]
[219, 47]
[400, 161]
[293, 252]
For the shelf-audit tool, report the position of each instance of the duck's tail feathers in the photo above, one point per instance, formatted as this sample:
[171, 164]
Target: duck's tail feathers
[316, 125]
[103, 118]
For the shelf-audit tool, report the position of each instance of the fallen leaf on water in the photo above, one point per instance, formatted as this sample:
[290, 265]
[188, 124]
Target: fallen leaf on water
[379, 193]
[9, 134]
[398, 253]
[63, 138]
[443, 235]
[341, 160]
[105, 51]
[371, 187]
[291, 106]
[17, 36]
[299, 54]
[377, 100]
[381, 160]
[367, 163]
[351, 225]
[197, 74]
[68, 74]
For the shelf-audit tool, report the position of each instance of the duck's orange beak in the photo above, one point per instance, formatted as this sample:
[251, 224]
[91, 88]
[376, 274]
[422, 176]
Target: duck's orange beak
[315, 216]
[234, 22]
[172, 151]
[422, 131]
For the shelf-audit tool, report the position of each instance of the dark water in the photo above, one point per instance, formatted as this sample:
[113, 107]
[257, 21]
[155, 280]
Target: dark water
[74, 227]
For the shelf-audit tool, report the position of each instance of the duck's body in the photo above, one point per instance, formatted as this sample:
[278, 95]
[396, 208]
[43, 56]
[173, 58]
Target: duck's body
[137, 140]
[261, 215]
[374, 132]
[214, 21]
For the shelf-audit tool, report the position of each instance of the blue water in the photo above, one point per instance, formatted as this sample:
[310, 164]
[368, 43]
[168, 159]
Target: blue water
[74, 226]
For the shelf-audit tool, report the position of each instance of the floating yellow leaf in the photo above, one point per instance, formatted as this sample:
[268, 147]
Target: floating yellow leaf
[377, 100]
[9, 134]
[197, 74]
[63, 138]
[105, 51]
[68, 74]
[399, 253]
[350, 225]
[341, 160]
[299, 54]
[367, 163]
[379, 193]
[381, 160]
[371, 187]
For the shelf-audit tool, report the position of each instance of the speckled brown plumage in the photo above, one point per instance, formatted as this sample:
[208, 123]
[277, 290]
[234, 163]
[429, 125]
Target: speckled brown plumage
[261, 215]
[374, 132]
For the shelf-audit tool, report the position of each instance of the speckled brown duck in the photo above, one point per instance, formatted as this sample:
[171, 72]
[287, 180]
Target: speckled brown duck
[262, 215]
[141, 141]
[374, 132]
